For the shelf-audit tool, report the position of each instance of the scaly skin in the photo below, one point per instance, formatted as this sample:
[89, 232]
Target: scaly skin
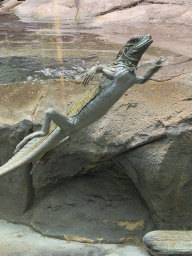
[90, 108]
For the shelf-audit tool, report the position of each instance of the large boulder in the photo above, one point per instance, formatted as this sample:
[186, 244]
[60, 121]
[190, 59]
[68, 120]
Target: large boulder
[68, 10]
[161, 171]
[169, 24]
[88, 9]
[144, 136]
[47, 10]
[100, 198]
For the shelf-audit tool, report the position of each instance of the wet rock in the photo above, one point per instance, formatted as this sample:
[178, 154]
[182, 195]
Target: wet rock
[169, 22]
[90, 8]
[154, 19]
[69, 10]
[145, 13]
[47, 10]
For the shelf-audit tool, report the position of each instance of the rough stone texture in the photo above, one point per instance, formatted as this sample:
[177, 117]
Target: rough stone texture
[180, 2]
[68, 10]
[101, 207]
[169, 22]
[17, 189]
[169, 242]
[89, 8]
[155, 136]
[170, 26]
[161, 170]
[162, 173]
[146, 13]
[47, 10]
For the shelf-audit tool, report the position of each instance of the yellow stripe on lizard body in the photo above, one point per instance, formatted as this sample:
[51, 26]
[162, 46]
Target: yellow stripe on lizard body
[77, 107]
[74, 110]
[103, 99]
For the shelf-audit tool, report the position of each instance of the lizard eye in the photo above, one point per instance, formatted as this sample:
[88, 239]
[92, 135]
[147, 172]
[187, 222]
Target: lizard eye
[133, 40]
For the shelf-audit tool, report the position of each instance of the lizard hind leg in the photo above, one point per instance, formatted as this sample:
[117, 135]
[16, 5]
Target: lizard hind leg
[61, 120]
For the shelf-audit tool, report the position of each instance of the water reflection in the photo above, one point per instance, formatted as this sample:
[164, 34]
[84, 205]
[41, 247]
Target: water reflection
[39, 51]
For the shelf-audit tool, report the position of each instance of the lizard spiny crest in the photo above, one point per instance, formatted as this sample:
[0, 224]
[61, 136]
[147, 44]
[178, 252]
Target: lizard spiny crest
[133, 50]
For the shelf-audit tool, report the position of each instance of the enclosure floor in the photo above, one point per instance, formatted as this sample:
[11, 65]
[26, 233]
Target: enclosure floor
[17, 240]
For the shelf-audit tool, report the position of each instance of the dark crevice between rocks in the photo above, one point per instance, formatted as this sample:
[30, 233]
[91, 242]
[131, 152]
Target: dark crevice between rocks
[148, 141]
[58, 181]
[163, 2]
[119, 7]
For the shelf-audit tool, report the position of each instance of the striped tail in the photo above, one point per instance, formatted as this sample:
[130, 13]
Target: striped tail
[20, 158]
[33, 150]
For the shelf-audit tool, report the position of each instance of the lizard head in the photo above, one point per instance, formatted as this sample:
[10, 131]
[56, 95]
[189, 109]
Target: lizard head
[133, 50]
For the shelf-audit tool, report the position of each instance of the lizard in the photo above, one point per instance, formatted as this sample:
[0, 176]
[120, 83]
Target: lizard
[58, 127]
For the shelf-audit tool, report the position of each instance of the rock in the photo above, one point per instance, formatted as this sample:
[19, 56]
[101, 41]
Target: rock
[90, 8]
[21, 240]
[154, 19]
[101, 207]
[148, 138]
[69, 10]
[116, 22]
[15, 192]
[47, 10]
[143, 13]
[169, 242]
[180, 2]
[161, 170]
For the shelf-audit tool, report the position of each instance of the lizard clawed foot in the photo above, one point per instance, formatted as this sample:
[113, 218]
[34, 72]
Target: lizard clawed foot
[26, 139]
[160, 61]
[20, 145]
[89, 75]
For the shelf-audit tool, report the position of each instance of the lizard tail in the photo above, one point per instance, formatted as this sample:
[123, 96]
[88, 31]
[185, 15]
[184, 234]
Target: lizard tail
[20, 158]
[33, 150]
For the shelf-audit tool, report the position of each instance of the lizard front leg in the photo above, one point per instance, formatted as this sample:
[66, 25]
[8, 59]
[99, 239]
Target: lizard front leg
[148, 75]
[61, 120]
[95, 70]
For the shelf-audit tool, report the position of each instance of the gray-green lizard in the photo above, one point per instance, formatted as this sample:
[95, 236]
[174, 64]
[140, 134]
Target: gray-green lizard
[58, 127]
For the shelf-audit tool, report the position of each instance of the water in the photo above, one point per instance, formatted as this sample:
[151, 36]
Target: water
[39, 50]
